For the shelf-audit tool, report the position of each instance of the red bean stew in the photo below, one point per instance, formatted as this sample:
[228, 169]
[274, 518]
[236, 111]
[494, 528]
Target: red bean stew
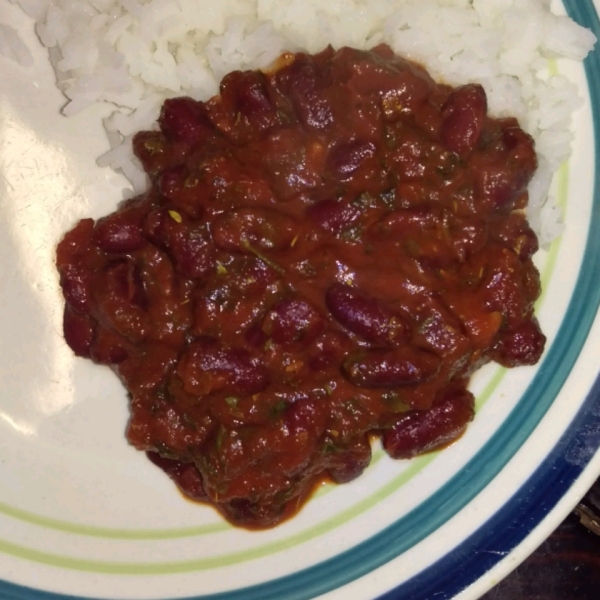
[326, 254]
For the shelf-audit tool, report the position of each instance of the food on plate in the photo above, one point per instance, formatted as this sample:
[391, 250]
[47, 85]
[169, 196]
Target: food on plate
[327, 251]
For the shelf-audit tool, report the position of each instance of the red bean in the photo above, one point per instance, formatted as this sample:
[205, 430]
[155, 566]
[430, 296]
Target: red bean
[78, 331]
[420, 431]
[255, 336]
[172, 181]
[516, 233]
[503, 288]
[391, 369]
[328, 350]
[346, 158]
[469, 236]
[119, 233]
[521, 346]
[463, 117]
[401, 84]
[346, 464]
[185, 120]
[186, 242]
[125, 280]
[305, 416]
[443, 334]
[108, 348]
[75, 242]
[496, 187]
[74, 281]
[154, 151]
[143, 373]
[399, 223]
[366, 316]
[311, 105]
[248, 95]
[334, 215]
[193, 254]
[208, 367]
[185, 475]
[292, 320]
[503, 170]
[257, 228]
[122, 300]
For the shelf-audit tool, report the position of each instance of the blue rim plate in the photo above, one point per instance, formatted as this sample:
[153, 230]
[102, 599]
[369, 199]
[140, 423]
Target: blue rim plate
[371, 565]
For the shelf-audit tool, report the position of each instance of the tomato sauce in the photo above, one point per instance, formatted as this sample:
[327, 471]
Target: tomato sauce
[326, 253]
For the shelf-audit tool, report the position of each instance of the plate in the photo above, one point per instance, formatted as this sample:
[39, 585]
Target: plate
[84, 515]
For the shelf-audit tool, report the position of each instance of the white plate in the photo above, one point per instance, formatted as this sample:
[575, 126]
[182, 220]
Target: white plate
[83, 514]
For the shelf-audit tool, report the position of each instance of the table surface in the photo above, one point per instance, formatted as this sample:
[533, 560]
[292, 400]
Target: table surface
[565, 567]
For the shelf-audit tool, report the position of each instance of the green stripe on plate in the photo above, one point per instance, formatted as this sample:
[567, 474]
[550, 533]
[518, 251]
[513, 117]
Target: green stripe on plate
[214, 562]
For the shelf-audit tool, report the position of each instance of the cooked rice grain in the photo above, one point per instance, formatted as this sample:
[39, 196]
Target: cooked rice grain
[136, 53]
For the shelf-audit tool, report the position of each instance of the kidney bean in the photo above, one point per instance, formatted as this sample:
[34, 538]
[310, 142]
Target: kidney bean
[184, 120]
[150, 148]
[442, 333]
[185, 475]
[508, 140]
[503, 288]
[429, 251]
[480, 324]
[119, 233]
[292, 320]
[531, 282]
[122, 299]
[515, 232]
[346, 464]
[497, 187]
[247, 93]
[74, 278]
[76, 242]
[400, 83]
[334, 215]
[251, 93]
[468, 237]
[144, 373]
[125, 280]
[78, 331]
[258, 228]
[420, 431]
[523, 345]
[75, 285]
[463, 117]
[255, 336]
[300, 79]
[328, 350]
[109, 348]
[390, 369]
[366, 316]
[207, 367]
[183, 189]
[293, 162]
[186, 242]
[308, 416]
[346, 158]
[193, 253]
[399, 223]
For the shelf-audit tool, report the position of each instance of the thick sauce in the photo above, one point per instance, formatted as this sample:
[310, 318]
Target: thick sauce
[326, 253]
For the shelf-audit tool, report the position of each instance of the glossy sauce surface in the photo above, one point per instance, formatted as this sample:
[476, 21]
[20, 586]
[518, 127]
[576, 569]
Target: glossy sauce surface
[326, 254]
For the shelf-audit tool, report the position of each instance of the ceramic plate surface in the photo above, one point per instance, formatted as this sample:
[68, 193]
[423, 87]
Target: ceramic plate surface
[82, 514]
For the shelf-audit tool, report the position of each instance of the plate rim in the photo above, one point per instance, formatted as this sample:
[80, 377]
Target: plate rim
[577, 10]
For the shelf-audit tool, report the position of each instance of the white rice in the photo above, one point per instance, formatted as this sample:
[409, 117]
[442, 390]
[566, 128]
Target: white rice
[135, 53]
